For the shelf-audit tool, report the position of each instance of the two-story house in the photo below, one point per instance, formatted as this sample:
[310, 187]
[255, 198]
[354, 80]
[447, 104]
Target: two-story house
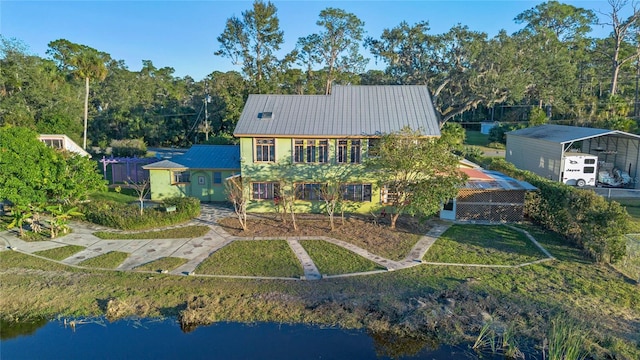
[313, 137]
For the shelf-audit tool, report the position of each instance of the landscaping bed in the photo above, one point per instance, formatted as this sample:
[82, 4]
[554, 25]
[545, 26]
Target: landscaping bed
[359, 230]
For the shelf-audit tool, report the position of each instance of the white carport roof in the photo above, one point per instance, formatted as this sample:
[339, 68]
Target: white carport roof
[566, 134]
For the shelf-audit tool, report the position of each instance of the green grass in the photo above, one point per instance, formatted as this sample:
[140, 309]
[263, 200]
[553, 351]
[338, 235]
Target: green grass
[476, 138]
[60, 253]
[253, 258]
[124, 197]
[630, 264]
[176, 233]
[165, 263]
[483, 244]
[332, 259]
[110, 260]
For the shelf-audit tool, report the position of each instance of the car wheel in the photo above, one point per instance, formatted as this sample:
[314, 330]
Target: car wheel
[581, 183]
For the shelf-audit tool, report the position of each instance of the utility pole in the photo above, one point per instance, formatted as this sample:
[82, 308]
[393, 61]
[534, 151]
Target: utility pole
[207, 99]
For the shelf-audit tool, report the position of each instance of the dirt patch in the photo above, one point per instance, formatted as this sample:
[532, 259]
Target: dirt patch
[375, 236]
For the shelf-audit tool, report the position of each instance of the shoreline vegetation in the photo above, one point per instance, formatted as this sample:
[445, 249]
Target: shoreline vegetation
[518, 308]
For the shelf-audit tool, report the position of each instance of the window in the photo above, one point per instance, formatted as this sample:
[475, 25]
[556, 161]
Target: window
[373, 147]
[201, 180]
[298, 151]
[265, 150]
[355, 151]
[348, 151]
[356, 192]
[265, 115]
[589, 161]
[264, 190]
[180, 177]
[311, 151]
[309, 191]
[388, 196]
[589, 169]
[342, 151]
[217, 177]
[54, 143]
[448, 206]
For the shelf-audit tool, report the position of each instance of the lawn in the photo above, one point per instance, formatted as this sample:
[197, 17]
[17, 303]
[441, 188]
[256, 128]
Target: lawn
[483, 244]
[333, 259]
[126, 196]
[110, 260]
[253, 258]
[165, 263]
[60, 253]
[476, 138]
[175, 233]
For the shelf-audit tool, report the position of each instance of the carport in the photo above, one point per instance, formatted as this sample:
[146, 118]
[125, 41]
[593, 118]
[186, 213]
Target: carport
[541, 149]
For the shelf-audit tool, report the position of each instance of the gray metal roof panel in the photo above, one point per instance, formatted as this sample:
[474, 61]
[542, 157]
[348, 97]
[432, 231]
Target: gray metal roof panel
[349, 111]
[564, 134]
[163, 164]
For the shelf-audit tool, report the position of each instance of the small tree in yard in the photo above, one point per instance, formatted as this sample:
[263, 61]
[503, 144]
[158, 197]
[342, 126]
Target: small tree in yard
[236, 195]
[142, 190]
[331, 191]
[20, 214]
[60, 219]
[419, 173]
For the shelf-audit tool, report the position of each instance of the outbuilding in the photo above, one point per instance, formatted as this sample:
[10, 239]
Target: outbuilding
[547, 149]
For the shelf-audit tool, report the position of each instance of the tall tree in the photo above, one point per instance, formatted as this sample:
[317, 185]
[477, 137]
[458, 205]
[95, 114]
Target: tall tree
[85, 63]
[336, 48]
[252, 41]
[622, 30]
[462, 67]
[419, 173]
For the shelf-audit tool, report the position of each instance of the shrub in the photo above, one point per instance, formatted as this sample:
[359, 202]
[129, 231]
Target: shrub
[582, 216]
[496, 145]
[128, 148]
[128, 217]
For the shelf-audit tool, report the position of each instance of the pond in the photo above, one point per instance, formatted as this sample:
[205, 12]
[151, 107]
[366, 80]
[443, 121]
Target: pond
[163, 339]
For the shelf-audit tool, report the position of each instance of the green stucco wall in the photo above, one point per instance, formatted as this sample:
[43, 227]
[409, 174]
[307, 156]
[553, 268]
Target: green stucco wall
[302, 173]
[205, 189]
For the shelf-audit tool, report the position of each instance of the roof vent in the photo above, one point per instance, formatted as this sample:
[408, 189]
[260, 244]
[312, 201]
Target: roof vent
[265, 115]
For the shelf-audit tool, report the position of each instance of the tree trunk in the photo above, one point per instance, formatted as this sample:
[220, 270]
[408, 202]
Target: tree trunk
[86, 110]
[394, 218]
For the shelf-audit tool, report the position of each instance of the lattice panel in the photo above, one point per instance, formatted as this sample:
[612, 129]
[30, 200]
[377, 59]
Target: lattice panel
[496, 206]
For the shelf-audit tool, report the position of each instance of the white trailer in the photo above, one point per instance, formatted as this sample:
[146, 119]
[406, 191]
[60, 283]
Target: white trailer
[579, 169]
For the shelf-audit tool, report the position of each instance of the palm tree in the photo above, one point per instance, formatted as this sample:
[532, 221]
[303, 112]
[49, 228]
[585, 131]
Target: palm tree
[83, 62]
[89, 65]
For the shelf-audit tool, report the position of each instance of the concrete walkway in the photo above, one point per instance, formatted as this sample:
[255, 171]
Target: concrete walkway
[196, 250]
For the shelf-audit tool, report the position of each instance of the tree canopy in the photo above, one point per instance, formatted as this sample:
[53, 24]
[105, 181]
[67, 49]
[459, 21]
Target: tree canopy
[550, 63]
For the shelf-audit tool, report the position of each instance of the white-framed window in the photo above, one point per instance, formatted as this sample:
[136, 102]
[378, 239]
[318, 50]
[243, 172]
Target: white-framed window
[264, 190]
[265, 150]
[348, 151]
[310, 151]
[310, 191]
[217, 177]
[180, 177]
[356, 192]
[201, 180]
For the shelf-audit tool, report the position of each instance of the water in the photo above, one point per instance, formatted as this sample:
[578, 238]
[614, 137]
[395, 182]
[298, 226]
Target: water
[163, 339]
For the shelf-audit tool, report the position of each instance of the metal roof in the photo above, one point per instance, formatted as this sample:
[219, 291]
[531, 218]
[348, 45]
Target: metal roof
[203, 157]
[348, 111]
[565, 134]
[481, 179]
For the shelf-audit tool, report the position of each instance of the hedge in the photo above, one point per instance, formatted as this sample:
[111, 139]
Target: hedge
[127, 216]
[581, 216]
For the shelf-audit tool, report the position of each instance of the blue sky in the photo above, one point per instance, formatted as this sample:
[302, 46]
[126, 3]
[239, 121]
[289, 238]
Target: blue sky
[182, 34]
